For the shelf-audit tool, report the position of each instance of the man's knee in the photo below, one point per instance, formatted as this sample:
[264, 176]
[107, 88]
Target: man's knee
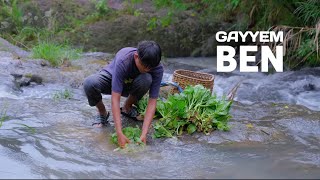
[141, 85]
[145, 80]
[93, 94]
[88, 84]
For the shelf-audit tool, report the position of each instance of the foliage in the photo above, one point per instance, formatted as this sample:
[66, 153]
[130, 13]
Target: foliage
[133, 134]
[29, 128]
[28, 36]
[142, 105]
[65, 94]
[251, 15]
[300, 25]
[101, 10]
[22, 23]
[239, 15]
[11, 14]
[101, 7]
[307, 51]
[301, 45]
[54, 53]
[195, 109]
[3, 115]
[308, 11]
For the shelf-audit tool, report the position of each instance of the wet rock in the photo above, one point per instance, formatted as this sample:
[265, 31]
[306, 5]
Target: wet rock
[20, 80]
[36, 79]
[309, 87]
[301, 125]
[308, 158]
[174, 141]
[17, 52]
[44, 63]
[16, 76]
[240, 132]
[98, 55]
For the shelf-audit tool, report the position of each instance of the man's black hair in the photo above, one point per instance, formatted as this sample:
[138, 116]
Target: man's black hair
[149, 53]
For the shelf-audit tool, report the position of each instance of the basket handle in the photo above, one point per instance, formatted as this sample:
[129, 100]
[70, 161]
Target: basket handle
[171, 84]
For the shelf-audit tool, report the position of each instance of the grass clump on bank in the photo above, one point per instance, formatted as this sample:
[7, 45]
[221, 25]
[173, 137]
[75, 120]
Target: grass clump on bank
[54, 53]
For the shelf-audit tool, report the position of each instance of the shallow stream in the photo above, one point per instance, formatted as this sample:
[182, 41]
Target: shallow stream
[275, 129]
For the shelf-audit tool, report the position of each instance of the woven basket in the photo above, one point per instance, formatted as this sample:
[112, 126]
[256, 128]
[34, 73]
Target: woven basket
[186, 77]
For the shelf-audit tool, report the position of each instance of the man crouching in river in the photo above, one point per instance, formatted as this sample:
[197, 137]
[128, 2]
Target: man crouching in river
[132, 73]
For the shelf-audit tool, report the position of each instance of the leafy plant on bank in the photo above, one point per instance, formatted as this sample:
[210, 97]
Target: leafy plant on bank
[195, 109]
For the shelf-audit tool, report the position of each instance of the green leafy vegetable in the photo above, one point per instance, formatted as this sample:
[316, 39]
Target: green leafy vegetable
[195, 109]
[133, 134]
[142, 105]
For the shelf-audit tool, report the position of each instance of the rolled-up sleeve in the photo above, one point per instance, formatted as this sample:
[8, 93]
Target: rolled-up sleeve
[156, 81]
[118, 77]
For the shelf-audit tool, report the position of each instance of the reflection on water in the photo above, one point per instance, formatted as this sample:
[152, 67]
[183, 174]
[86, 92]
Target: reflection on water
[66, 146]
[83, 153]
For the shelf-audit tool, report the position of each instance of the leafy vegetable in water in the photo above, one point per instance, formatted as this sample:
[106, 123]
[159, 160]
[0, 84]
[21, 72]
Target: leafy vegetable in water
[133, 134]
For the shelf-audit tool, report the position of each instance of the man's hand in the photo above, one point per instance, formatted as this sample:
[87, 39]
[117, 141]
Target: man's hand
[122, 140]
[151, 108]
[143, 138]
[115, 99]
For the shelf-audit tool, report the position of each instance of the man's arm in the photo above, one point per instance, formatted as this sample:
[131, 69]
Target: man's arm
[151, 108]
[115, 101]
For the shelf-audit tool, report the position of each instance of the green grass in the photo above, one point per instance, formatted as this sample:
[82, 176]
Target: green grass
[11, 13]
[54, 53]
[64, 94]
[308, 11]
[3, 115]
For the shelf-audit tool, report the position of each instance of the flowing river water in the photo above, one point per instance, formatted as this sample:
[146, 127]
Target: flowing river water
[275, 128]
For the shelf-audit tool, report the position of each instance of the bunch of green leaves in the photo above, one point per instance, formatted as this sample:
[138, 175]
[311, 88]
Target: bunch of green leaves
[133, 134]
[195, 109]
[173, 113]
[142, 105]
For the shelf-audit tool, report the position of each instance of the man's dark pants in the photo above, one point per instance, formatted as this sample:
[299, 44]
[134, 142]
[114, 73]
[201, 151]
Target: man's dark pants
[101, 83]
